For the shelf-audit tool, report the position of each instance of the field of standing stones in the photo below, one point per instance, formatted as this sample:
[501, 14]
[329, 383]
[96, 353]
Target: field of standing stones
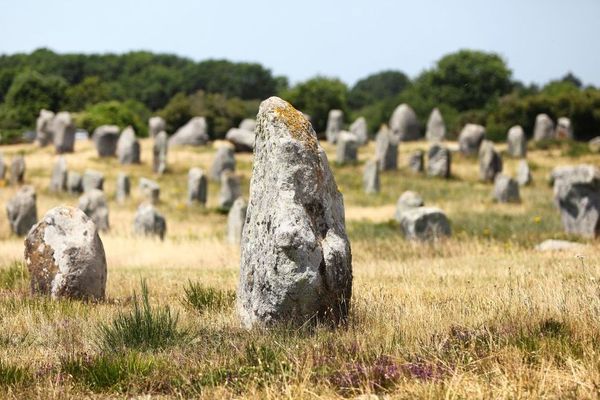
[394, 264]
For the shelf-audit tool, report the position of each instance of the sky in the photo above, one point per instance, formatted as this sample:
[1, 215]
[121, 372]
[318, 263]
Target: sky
[541, 40]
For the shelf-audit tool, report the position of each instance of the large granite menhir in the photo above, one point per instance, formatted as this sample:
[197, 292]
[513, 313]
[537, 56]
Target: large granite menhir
[296, 263]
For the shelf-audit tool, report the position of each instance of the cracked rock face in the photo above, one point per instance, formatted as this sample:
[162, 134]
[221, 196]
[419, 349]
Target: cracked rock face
[296, 263]
[65, 256]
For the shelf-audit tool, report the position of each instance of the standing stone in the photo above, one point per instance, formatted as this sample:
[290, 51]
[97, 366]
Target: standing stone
[235, 220]
[404, 123]
[425, 224]
[470, 139]
[58, 180]
[128, 147]
[296, 263]
[564, 130]
[2, 167]
[65, 256]
[159, 153]
[490, 162]
[416, 161]
[105, 138]
[93, 204]
[335, 123]
[360, 130]
[506, 189]
[242, 140]
[517, 142]
[577, 194]
[156, 125]
[197, 187]
[544, 128]
[594, 145]
[17, 170]
[436, 128]
[63, 131]
[123, 187]
[248, 124]
[149, 190]
[224, 161]
[43, 129]
[21, 210]
[194, 133]
[523, 173]
[74, 182]
[386, 149]
[149, 222]
[230, 189]
[407, 201]
[346, 148]
[92, 180]
[371, 177]
[439, 161]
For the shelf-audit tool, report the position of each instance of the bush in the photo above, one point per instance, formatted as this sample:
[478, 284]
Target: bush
[118, 113]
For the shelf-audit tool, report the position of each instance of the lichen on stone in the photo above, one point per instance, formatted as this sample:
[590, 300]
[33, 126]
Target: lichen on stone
[298, 126]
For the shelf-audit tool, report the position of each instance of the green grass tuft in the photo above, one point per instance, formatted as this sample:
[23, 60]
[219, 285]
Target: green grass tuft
[203, 299]
[11, 375]
[14, 276]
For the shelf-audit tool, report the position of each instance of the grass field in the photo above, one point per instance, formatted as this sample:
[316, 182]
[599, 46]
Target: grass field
[481, 315]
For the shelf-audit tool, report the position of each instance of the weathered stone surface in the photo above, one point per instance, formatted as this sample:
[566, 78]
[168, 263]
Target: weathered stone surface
[544, 128]
[224, 161]
[43, 131]
[92, 180]
[248, 124]
[506, 189]
[21, 210]
[371, 177]
[577, 194]
[63, 132]
[17, 170]
[436, 127]
[105, 139]
[564, 129]
[296, 263]
[242, 139]
[197, 186]
[149, 190]
[386, 149]
[439, 161]
[149, 222]
[335, 123]
[230, 189]
[156, 125]
[159, 153]
[523, 173]
[360, 130]
[74, 182]
[123, 187]
[58, 180]
[235, 220]
[558, 245]
[425, 223]
[490, 162]
[128, 147]
[404, 123]
[594, 145]
[517, 142]
[416, 161]
[93, 204]
[346, 148]
[194, 133]
[470, 139]
[407, 201]
[65, 256]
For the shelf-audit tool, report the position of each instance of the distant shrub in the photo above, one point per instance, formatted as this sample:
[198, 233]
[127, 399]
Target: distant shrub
[118, 113]
[202, 298]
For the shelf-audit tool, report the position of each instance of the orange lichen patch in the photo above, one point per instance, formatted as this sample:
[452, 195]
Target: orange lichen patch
[298, 126]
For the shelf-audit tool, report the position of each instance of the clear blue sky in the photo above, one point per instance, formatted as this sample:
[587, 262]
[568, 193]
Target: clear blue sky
[540, 39]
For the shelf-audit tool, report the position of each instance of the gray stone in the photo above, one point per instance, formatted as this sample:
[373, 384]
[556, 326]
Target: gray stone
[92, 180]
[230, 189]
[65, 256]
[371, 177]
[470, 139]
[425, 224]
[128, 147]
[346, 148]
[335, 123]
[43, 129]
[17, 170]
[296, 263]
[150, 190]
[439, 161]
[224, 161]
[149, 222]
[544, 128]
[21, 210]
[577, 195]
[248, 124]
[386, 149]
[407, 201]
[523, 173]
[93, 204]
[517, 142]
[564, 129]
[242, 139]
[159, 153]
[156, 125]
[194, 133]
[506, 189]
[123, 187]
[594, 145]
[436, 128]
[360, 130]
[416, 161]
[235, 220]
[404, 124]
[58, 180]
[74, 182]
[105, 138]
[558, 245]
[197, 187]
[63, 132]
[490, 163]
[3, 167]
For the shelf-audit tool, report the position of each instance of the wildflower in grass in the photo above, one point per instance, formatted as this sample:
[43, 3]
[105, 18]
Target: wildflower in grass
[537, 219]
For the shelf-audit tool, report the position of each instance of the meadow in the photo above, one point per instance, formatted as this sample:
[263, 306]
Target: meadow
[480, 315]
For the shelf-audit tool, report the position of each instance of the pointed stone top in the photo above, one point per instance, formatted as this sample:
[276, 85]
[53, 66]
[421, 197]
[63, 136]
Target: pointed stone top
[280, 111]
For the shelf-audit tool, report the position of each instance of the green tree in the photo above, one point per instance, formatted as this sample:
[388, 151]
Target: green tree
[90, 91]
[122, 114]
[380, 86]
